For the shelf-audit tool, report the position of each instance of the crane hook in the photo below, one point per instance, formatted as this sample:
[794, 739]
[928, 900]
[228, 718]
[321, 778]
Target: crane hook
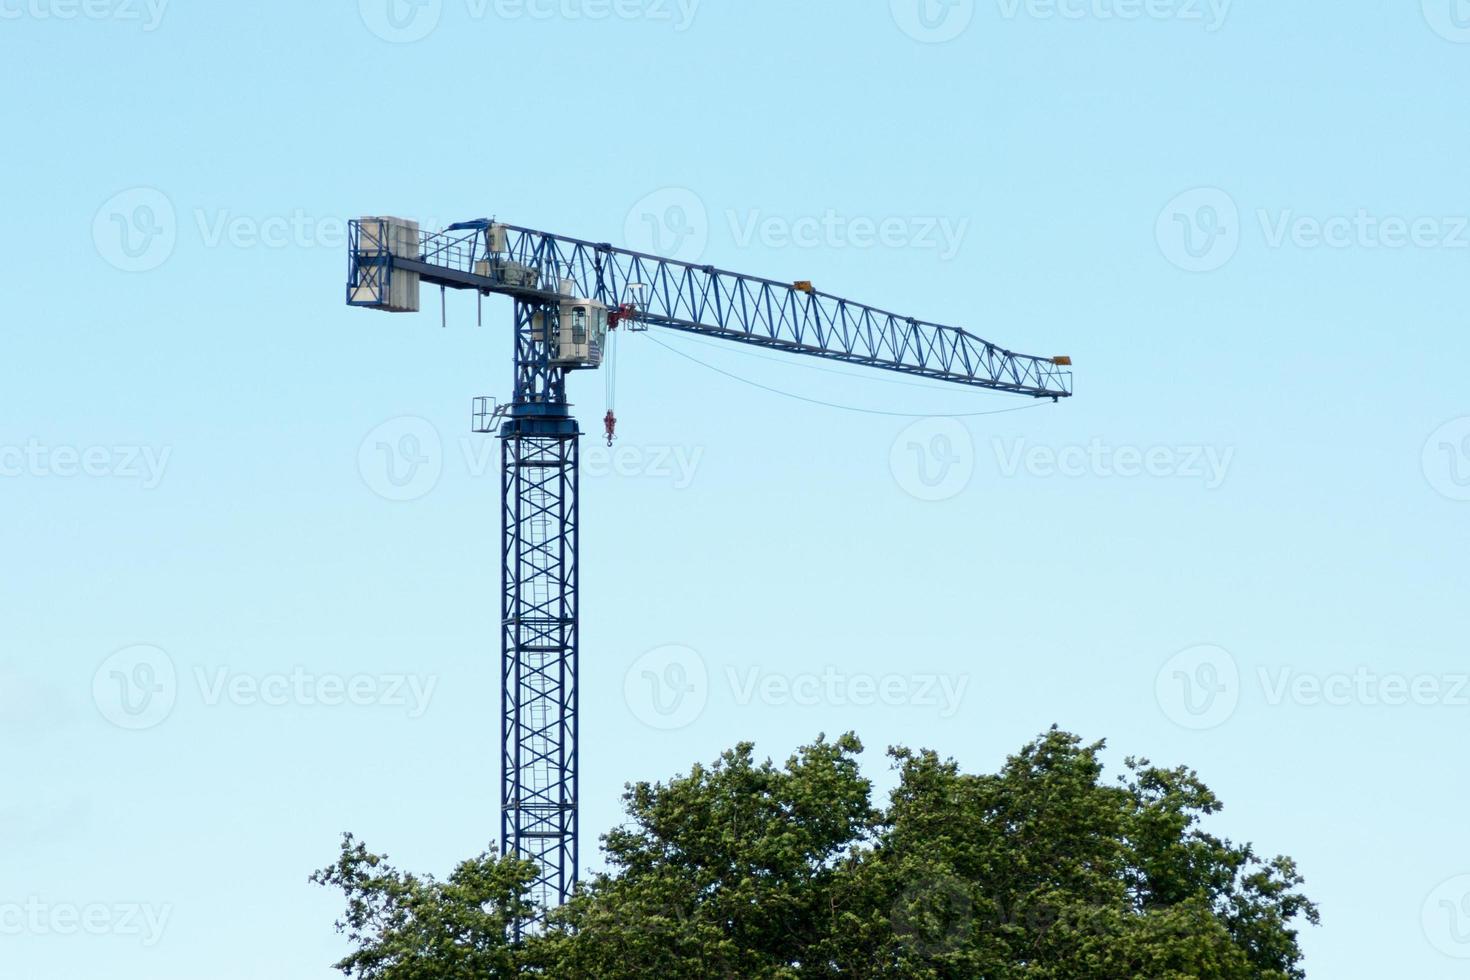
[610, 422]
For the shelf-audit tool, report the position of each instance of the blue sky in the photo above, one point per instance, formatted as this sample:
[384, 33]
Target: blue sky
[238, 627]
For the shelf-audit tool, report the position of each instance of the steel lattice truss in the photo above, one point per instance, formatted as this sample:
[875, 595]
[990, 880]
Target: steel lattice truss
[539, 662]
[705, 300]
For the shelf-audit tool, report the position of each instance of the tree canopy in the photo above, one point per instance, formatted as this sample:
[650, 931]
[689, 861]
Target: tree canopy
[749, 869]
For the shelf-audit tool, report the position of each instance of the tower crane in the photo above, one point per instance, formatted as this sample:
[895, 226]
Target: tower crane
[567, 295]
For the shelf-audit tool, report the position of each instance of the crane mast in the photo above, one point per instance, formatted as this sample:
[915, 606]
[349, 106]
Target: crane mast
[567, 294]
[539, 616]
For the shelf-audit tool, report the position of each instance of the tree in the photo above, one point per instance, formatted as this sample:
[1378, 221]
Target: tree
[737, 870]
[408, 928]
[1047, 872]
[746, 869]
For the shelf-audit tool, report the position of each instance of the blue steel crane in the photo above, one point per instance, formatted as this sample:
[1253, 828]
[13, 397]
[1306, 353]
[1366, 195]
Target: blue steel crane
[567, 295]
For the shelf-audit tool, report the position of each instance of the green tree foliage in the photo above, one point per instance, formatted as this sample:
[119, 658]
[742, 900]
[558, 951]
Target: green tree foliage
[409, 928]
[750, 870]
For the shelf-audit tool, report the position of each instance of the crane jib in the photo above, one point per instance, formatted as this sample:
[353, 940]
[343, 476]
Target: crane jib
[390, 259]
